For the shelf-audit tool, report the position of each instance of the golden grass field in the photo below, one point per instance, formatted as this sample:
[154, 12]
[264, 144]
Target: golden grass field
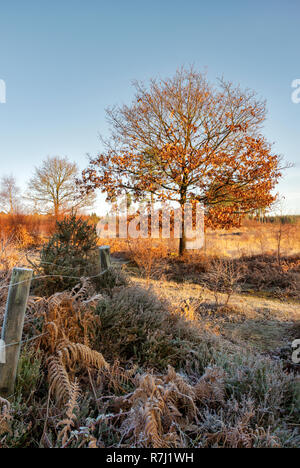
[252, 238]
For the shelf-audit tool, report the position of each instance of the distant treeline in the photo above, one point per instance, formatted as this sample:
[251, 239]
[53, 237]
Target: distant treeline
[283, 219]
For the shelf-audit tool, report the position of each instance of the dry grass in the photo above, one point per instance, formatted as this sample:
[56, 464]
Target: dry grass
[26, 230]
[156, 363]
[251, 239]
[260, 323]
[254, 239]
[149, 256]
[264, 258]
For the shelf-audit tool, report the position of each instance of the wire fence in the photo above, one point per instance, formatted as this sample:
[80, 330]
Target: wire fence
[4, 346]
[17, 302]
[6, 286]
[17, 343]
[56, 276]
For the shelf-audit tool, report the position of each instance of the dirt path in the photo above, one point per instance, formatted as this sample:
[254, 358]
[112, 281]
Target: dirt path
[263, 323]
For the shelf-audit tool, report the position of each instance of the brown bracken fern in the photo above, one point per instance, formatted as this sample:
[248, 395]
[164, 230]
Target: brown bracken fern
[70, 419]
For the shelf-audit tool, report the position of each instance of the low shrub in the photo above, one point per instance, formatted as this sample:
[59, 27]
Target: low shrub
[70, 254]
[138, 327]
[149, 255]
[113, 278]
[126, 369]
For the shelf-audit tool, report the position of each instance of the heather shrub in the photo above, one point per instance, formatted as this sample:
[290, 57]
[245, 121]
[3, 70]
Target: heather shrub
[260, 402]
[29, 373]
[263, 272]
[114, 277]
[137, 326]
[128, 369]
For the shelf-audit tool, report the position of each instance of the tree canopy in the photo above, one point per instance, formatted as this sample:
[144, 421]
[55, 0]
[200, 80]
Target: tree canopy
[9, 194]
[184, 140]
[53, 187]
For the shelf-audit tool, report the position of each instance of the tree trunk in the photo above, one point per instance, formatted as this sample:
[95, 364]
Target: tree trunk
[183, 199]
[182, 245]
[56, 212]
[182, 241]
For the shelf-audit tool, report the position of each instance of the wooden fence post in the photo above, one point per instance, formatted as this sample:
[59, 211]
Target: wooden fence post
[105, 260]
[13, 327]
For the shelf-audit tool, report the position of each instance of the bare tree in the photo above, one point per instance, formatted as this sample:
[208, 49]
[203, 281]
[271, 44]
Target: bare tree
[223, 278]
[9, 194]
[53, 187]
[281, 228]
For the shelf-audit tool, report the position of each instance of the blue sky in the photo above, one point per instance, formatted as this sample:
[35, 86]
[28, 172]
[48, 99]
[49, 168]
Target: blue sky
[65, 61]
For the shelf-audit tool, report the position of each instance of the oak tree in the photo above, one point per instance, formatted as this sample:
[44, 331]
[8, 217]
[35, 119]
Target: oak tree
[183, 139]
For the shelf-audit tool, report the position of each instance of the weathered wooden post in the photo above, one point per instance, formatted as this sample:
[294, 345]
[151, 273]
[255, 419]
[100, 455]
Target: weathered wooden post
[13, 327]
[105, 260]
